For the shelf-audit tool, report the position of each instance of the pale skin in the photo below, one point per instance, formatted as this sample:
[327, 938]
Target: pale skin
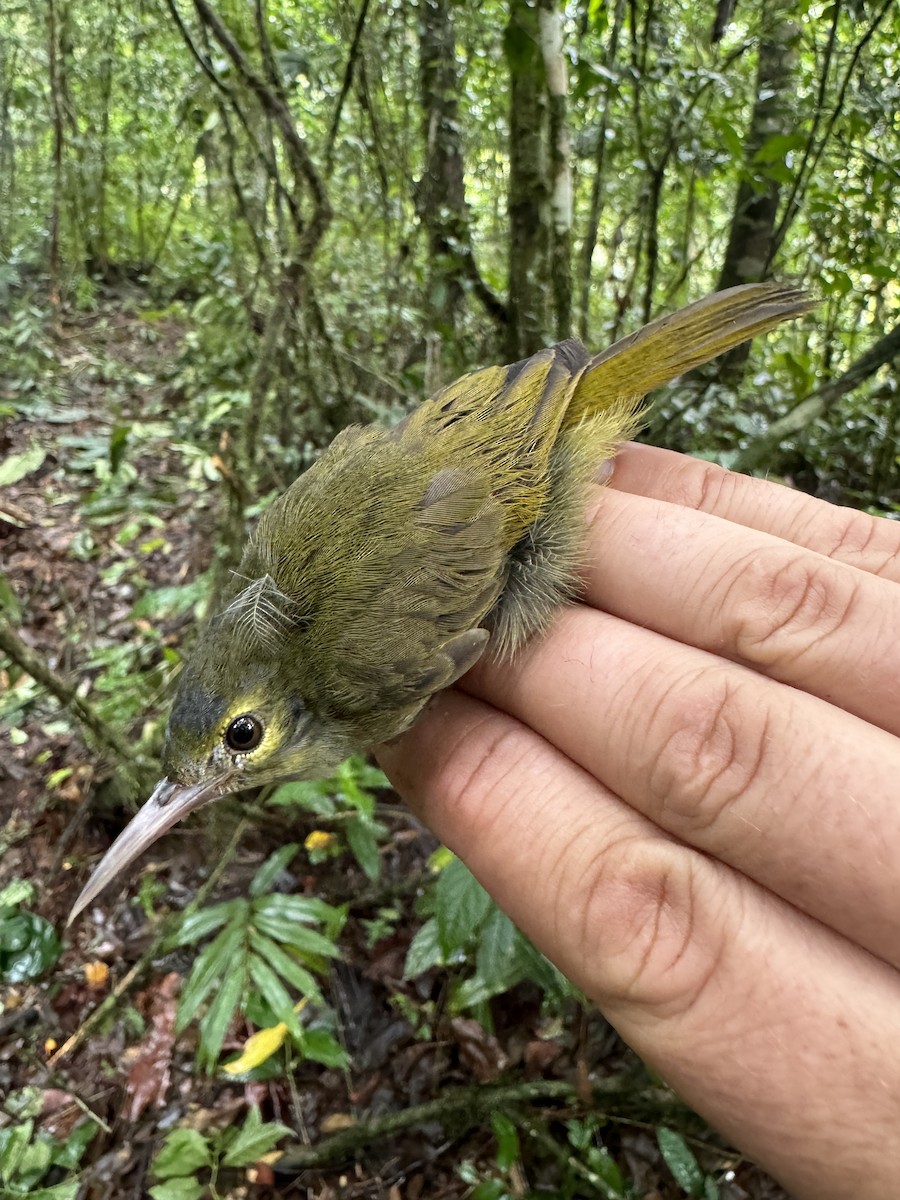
[688, 795]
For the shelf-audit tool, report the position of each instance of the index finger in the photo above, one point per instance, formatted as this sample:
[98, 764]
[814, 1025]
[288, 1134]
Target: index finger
[844, 534]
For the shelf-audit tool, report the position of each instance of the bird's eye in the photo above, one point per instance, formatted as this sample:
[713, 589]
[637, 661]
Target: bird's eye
[243, 734]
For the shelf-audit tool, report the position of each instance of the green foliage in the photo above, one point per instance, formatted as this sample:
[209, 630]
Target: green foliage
[347, 800]
[263, 946]
[28, 1155]
[466, 930]
[28, 943]
[684, 1166]
[189, 1162]
[587, 1170]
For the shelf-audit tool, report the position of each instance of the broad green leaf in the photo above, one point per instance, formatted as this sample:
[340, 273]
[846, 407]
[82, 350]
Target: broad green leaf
[184, 1152]
[70, 1153]
[363, 841]
[599, 1161]
[265, 877]
[178, 1189]
[322, 1047]
[424, 951]
[680, 1161]
[497, 956]
[507, 1136]
[312, 795]
[28, 947]
[254, 1139]
[461, 905]
[9, 602]
[60, 1191]
[13, 1143]
[16, 466]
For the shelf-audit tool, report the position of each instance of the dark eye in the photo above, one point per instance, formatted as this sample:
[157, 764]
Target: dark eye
[243, 734]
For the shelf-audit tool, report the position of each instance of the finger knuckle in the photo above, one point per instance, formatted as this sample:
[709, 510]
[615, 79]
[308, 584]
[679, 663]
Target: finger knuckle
[787, 605]
[864, 540]
[710, 740]
[640, 906]
[495, 769]
[709, 487]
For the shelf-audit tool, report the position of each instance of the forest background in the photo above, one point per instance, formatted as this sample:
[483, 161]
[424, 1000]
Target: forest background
[226, 232]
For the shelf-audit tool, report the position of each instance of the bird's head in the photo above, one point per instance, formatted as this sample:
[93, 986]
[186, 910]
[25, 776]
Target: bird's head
[238, 721]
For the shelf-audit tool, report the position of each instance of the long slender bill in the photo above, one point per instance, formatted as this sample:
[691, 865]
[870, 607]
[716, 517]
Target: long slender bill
[169, 803]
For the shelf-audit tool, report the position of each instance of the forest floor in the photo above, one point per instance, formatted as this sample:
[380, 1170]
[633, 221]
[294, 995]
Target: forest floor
[119, 507]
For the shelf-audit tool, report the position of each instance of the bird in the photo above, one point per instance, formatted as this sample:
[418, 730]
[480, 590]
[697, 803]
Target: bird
[402, 555]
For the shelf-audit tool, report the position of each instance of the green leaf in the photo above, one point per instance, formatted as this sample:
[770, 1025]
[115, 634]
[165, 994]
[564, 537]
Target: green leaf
[490, 1189]
[424, 951]
[217, 959]
[312, 795]
[309, 941]
[218, 1017]
[599, 1160]
[461, 905]
[265, 877]
[16, 466]
[199, 924]
[60, 1191]
[362, 840]
[178, 1189]
[304, 909]
[322, 1047]
[184, 1152]
[253, 1140]
[277, 958]
[9, 602]
[28, 947]
[775, 148]
[70, 1154]
[681, 1161]
[497, 958]
[507, 1136]
[274, 993]
[13, 1143]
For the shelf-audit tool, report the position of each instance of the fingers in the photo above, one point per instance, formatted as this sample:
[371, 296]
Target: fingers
[869, 543]
[665, 938]
[783, 787]
[808, 620]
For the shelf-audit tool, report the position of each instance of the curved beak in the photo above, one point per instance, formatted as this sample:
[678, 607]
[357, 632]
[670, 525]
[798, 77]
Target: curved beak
[169, 803]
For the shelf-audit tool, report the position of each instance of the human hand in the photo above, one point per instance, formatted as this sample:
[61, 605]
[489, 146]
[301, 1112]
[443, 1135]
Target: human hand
[687, 795]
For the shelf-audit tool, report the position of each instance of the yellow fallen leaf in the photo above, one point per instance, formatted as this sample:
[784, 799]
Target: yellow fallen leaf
[335, 1122]
[257, 1048]
[261, 1046]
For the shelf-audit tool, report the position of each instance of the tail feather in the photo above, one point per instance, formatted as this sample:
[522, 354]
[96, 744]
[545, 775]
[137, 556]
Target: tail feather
[673, 344]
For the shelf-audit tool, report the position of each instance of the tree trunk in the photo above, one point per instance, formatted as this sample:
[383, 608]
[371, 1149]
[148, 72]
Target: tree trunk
[530, 323]
[440, 197]
[597, 185]
[560, 164]
[753, 222]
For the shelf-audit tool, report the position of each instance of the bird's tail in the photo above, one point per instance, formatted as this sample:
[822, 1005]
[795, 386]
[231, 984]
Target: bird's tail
[622, 375]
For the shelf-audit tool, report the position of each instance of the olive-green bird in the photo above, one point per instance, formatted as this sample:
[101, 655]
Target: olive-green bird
[389, 567]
